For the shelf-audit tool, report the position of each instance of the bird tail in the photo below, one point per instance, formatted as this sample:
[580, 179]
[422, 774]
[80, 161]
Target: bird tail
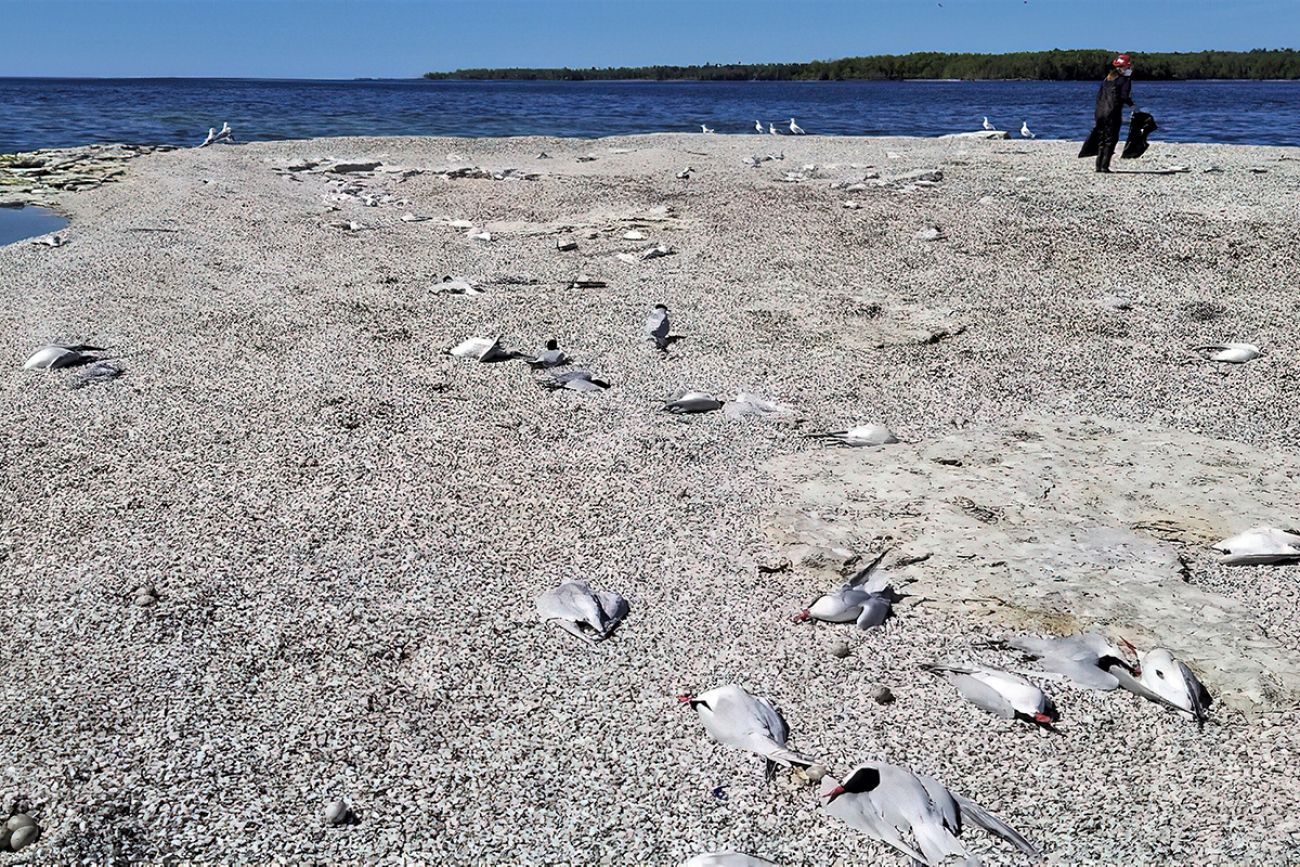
[786, 759]
[982, 818]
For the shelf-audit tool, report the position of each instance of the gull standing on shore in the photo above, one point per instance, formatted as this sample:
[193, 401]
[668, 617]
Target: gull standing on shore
[212, 136]
[795, 129]
[704, 129]
[771, 128]
[758, 126]
[988, 125]
[1024, 130]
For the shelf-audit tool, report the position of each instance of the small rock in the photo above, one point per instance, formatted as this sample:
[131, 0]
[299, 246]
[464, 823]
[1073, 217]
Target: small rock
[883, 695]
[814, 773]
[840, 649]
[144, 600]
[929, 233]
[338, 813]
[24, 837]
[19, 820]
[566, 245]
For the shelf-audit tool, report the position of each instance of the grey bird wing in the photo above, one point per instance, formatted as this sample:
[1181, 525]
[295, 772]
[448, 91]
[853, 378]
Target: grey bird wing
[981, 818]
[905, 802]
[875, 611]
[1081, 673]
[981, 694]
[615, 608]
[861, 811]
[572, 605]
[866, 574]
[1199, 695]
[943, 801]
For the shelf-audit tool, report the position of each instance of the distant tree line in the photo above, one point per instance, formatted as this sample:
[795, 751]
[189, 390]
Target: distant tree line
[1080, 64]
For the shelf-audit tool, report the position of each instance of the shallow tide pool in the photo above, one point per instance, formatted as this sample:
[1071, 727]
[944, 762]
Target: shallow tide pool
[16, 224]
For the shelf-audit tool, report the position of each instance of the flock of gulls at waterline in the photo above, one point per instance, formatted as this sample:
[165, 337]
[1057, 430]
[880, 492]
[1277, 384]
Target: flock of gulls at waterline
[910, 812]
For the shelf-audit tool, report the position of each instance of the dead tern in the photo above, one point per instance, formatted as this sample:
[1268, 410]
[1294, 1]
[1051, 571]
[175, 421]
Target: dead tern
[577, 609]
[693, 402]
[1086, 659]
[999, 692]
[574, 380]
[1230, 353]
[862, 436]
[865, 599]
[483, 349]
[99, 372]
[1258, 546]
[892, 804]
[55, 356]
[737, 719]
[725, 859]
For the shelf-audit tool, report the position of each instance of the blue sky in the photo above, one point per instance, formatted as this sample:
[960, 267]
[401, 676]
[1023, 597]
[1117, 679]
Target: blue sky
[403, 38]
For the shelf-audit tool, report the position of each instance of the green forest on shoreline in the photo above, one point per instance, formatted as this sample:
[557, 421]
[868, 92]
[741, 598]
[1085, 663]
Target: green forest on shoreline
[1056, 65]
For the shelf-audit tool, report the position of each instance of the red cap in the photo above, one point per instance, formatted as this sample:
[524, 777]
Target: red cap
[1122, 62]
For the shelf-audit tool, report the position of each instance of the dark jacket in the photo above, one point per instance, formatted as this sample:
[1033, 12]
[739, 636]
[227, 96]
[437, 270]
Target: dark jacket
[1113, 96]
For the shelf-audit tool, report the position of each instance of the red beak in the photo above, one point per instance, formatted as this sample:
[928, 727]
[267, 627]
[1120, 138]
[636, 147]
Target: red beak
[834, 793]
[802, 616]
[1042, 718]
[685, 698]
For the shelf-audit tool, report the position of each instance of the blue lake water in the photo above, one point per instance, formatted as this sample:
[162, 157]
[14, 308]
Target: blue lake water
[19, 223]
[36, 113]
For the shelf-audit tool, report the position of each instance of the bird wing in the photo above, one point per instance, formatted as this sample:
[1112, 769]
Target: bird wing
[905, 803]
[861, 811]
[1197, 692]
[866, 573]
[875, 611]
[982, 694]
[1081, 673]
[614, 607]
[981, 818]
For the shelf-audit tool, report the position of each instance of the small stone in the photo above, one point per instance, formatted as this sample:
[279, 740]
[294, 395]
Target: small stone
[883, 696]
[24, 837]
[338, 813]
[19, 820]
[144, 600]
[840, 649]
[814, 773]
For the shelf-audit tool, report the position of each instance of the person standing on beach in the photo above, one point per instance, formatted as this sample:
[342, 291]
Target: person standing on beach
[1115, 93]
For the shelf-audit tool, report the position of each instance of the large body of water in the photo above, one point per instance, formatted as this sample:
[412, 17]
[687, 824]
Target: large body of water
[43, 112]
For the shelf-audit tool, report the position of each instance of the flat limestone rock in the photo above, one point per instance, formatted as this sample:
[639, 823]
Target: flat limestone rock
[1066, 524]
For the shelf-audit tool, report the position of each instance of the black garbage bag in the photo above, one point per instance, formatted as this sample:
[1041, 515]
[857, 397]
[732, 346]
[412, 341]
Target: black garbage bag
[1091, 144]
[1140, 126]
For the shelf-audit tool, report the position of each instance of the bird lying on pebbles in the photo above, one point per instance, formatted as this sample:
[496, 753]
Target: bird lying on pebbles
[737, 719]
[49, 241]
[1001, 693]
[1231, 353]
[456, 286]
[862, 436]
[483, 349]
[656, 327]
[55, 356]
[693, 402]
[581, 611]
[633, 235]
[744, 404]
[1087, 659]
[415, 218]
[574, 380]
[685, 174]
[866, 599]
[1260, 545]
[724, 859]
[1169, 682]
[99, 372]
[892, 804]
[550, 356]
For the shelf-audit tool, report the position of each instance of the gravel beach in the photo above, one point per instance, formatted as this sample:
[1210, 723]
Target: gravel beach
[290, 556]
